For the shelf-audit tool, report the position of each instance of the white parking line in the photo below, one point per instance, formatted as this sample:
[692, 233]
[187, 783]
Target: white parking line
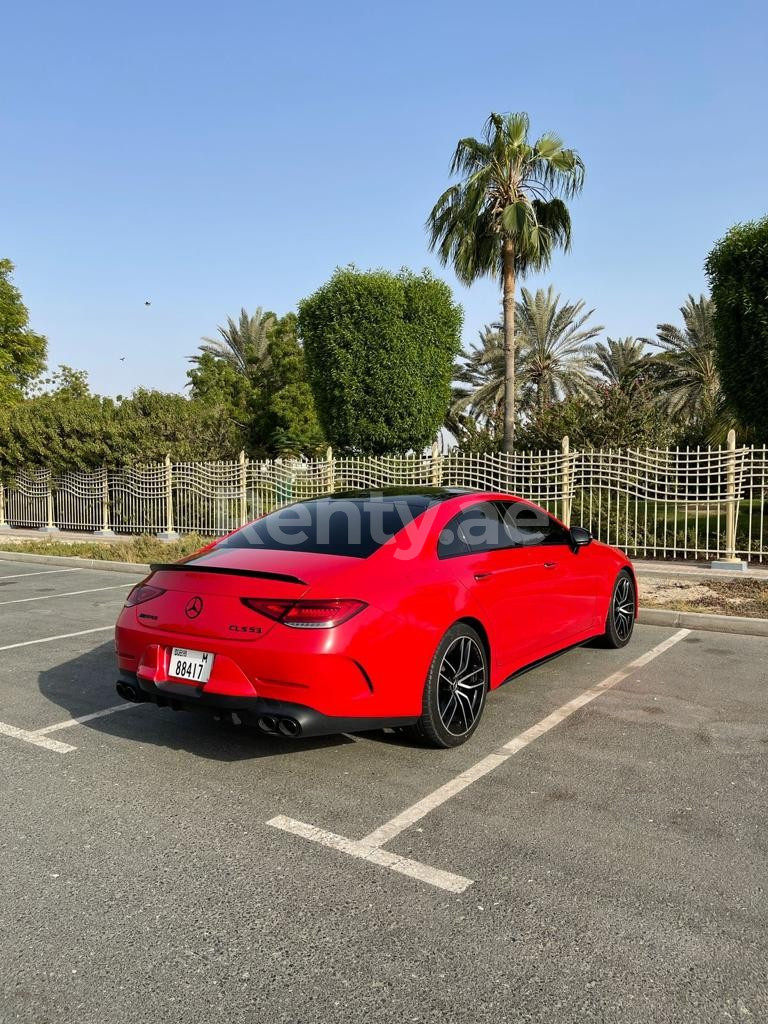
[37, 741]
[69, 722]
[38, 736]
[59, 636]
[39, 572]
[385, 859]
[70, 593]
[367, 846]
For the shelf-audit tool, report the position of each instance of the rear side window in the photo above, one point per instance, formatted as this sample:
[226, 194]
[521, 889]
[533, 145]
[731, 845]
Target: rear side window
[338, 526]
[495, 525]
[476, 529]
[526, 526]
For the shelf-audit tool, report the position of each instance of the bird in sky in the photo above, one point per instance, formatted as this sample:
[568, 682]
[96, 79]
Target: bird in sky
[147, 303]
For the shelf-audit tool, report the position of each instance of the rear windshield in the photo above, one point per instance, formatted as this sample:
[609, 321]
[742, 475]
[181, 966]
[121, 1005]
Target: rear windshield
[339, 526]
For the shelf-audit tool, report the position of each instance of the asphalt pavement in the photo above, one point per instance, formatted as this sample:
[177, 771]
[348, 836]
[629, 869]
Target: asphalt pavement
[612, 863]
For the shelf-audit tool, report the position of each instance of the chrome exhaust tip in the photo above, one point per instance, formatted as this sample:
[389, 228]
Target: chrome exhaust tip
[267, 723]
[289, 727]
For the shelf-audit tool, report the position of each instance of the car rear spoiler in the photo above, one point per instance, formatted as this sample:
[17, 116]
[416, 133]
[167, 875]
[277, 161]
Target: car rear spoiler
[280, 577]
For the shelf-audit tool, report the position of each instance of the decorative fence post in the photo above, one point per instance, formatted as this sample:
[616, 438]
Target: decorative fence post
[330, 479]
[169, 534]
[49, 525]
[730, 561]
[4, 527]
[106, 530]
[437, 466]
[243, 493]
[566, 481]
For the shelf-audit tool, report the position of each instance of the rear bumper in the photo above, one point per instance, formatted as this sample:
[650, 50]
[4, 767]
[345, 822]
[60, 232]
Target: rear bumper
[253, 710]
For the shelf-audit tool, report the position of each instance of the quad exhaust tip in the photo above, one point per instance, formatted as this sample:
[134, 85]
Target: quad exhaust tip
[272, 724]
[279, 726]
[129, 693]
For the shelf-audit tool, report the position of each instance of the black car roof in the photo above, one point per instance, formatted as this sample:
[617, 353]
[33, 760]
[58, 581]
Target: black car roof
[430, 494]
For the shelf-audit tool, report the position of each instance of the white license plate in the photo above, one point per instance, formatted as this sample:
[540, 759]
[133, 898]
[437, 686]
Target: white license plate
[192, 665]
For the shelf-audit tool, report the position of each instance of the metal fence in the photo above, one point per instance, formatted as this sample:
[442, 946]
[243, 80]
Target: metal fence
[683, 503]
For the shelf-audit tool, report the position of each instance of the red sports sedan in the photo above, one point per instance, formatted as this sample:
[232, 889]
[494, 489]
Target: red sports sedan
[363, 610]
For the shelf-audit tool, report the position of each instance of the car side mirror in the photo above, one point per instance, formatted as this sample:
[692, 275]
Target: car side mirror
[580, 537]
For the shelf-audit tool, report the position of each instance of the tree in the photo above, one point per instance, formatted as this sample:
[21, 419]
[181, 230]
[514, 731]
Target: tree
[22, 351]
[608, 418]
[285, 413]
[480, 374]
[62, 431]
[259, 377]
[554, 346]
[620, 362]
[737, 268]
[689, 379]
[217, 384]
[380, 349]
[553, 352]
[241, 345]
[506, 217]
[67, 382]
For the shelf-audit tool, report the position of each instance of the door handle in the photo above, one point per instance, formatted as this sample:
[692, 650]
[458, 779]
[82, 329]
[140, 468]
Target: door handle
[482, 576]
[550, 565]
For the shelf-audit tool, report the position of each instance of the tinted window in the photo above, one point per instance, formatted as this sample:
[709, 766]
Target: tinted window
[491, 526]
[336, 526]
[476, 529]
[526, 526]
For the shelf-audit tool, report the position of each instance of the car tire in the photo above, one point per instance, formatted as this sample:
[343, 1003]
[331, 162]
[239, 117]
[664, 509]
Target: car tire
[620, 620]
[455, 689]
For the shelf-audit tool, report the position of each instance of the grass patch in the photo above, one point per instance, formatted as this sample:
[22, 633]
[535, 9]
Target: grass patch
[144, 548]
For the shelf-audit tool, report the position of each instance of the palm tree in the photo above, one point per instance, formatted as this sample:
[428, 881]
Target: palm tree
[506, 217]
[243, 345]
[481, 377]
[555, 349]
[691, 383]
[620, 361]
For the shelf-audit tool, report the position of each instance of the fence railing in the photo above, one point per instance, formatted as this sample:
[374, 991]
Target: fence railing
[677, 502]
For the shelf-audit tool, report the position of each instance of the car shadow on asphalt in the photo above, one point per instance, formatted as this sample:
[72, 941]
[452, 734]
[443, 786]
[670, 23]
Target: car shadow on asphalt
[86, 684]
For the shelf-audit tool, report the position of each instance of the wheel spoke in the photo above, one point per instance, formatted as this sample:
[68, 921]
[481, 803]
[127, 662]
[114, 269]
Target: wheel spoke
[444, 711]
[469, 675]
[463, 712]
[470, 686]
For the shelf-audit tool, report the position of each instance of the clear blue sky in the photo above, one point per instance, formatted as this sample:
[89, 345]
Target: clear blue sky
[209, 156]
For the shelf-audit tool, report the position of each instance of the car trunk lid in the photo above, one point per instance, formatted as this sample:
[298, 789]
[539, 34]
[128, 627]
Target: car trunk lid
[203, 594]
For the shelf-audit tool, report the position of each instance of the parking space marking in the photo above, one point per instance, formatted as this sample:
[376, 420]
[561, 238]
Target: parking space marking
[385, 859]
[366, 846]
[37, 572]
[59, 636]
[69, 722]
[38, 741]
[69, 593]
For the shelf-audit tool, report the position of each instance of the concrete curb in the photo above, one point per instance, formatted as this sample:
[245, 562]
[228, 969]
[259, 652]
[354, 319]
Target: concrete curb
[79, 563]
[701, 620]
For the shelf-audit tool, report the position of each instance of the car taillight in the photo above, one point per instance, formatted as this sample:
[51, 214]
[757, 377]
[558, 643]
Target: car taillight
[141, 593]
[306, 614]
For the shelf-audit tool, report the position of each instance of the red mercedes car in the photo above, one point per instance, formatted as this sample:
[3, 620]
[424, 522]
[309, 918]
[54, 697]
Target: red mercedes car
[363, 610]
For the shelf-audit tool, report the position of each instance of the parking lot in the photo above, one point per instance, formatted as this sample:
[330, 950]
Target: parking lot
[596, 852]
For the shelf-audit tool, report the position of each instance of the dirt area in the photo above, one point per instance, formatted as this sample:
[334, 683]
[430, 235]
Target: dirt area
[729, 596]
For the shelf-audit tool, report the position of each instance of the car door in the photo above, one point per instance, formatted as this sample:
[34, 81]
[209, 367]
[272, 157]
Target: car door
[569, 598]
[509, 581]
